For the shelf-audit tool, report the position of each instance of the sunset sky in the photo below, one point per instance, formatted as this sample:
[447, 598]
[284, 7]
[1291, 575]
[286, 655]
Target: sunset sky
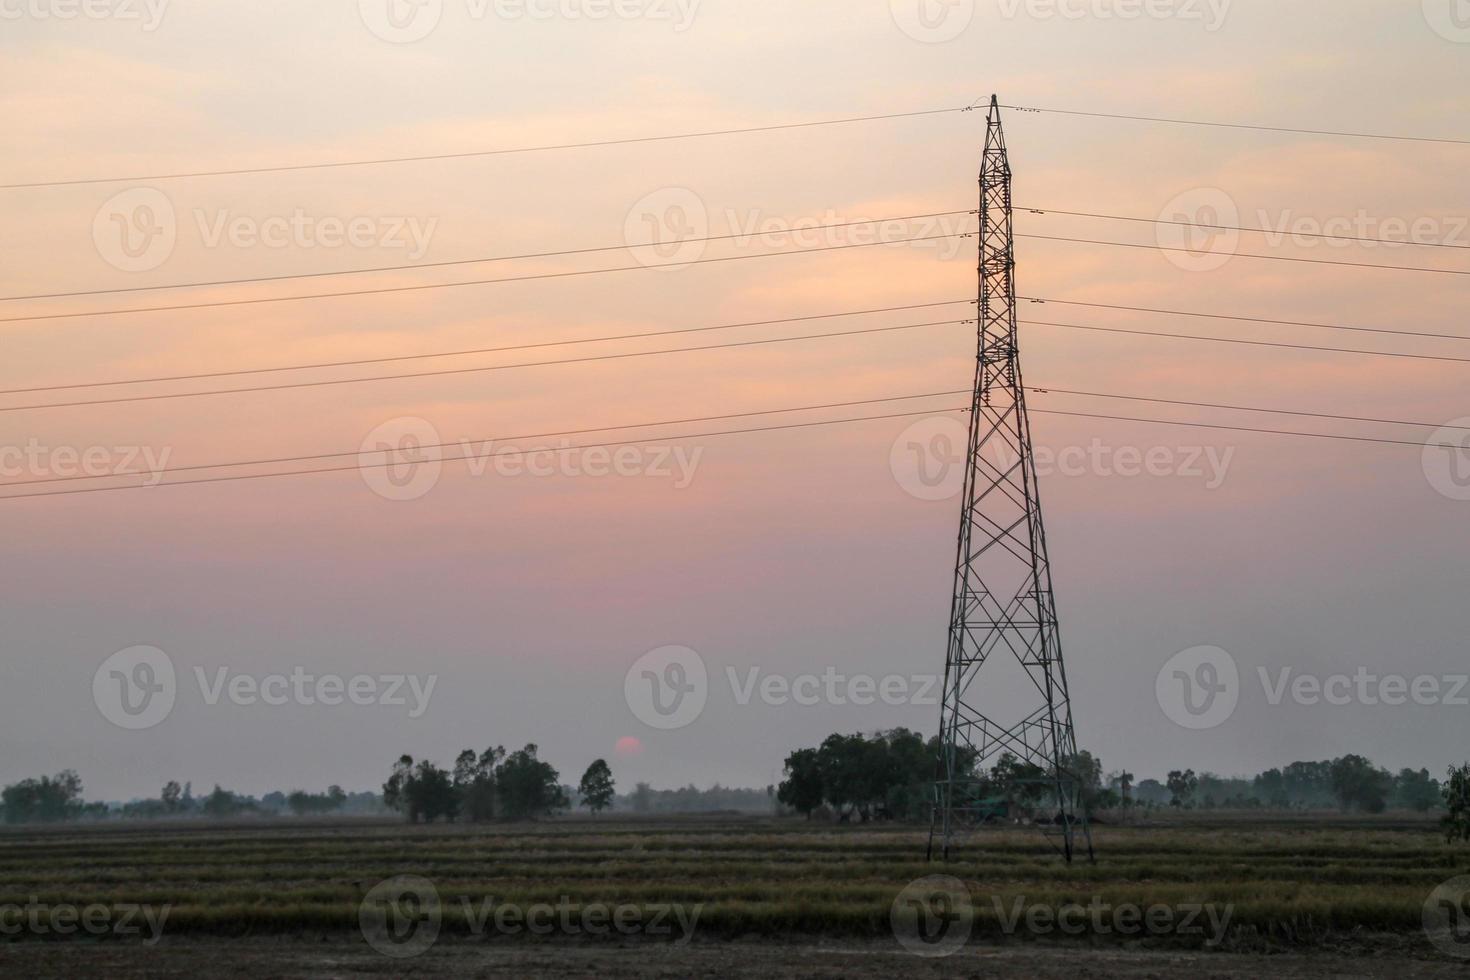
[529, 598]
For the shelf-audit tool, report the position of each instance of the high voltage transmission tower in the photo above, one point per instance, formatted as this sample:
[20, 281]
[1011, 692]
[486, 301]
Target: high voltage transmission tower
[1003, 616]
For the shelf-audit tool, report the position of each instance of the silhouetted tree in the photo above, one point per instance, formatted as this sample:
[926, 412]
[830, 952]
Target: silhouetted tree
[1416, 790]
[50, 799]
[1182, 787]
[474, 781]
[802, 788]
[302, 803]
[596, 788]
[528, 788]
[1456, 792]
[1358, 784]
[431, 795]
[394, 790]
[222, 803]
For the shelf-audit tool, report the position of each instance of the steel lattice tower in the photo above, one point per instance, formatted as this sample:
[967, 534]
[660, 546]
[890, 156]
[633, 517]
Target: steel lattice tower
[1003, 603]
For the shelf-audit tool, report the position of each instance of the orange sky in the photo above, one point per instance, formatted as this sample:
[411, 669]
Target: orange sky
[790, 551]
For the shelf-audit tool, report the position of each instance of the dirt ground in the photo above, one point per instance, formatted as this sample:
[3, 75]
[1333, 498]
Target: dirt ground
[299, 958]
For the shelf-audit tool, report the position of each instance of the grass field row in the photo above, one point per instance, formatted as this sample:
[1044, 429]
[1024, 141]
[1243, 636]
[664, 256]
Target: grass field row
[1285, 884]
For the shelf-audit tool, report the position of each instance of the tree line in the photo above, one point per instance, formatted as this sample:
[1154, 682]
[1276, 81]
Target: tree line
[1350, 782]
[491, 785]
[890, 775]
[886, 776]
[56, 799]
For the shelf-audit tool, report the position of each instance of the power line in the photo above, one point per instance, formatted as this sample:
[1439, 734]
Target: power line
[1044, 390]
[562, 253]
[1251, 343]
[480, 282]
[1240, 428]
[701, 261]
[379, 161]
[1256, 126]
[280, 460]
[165, 396]
[451, 262]
[479, 350]
[1256, 255]
[687, 435]
[599, 445]
[413, 266]
[1249, 228]
[1243, 319]
[627, 141]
